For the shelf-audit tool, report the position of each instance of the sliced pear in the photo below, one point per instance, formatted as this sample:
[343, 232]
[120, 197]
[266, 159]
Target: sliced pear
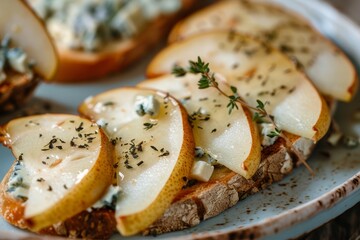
[258, 72]
[329, 68]
[231, 139]
[68, 163]
[155, 153]
[28, 32]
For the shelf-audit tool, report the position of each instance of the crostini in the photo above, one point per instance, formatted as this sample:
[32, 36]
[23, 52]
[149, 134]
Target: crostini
[249, 70]
[158, 187]
[95, 38]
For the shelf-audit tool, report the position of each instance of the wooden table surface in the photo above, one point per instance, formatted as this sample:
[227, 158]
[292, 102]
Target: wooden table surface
[346, 226]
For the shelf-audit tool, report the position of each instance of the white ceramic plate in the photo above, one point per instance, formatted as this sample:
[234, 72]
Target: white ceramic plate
[296, 205]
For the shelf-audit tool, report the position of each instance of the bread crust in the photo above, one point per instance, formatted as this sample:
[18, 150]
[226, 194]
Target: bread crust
[191, 205]
[16, 90]
[205, 200]
[78, 66]
[96, 224]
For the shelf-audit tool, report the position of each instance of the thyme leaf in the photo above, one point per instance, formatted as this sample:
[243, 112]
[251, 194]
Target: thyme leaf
[178, 71]
[275, 133]
[148, 126]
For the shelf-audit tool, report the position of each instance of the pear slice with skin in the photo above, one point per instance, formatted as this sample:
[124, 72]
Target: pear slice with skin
[27, 31]
[155, 153]
[326, 65]
[231, 139]
[67, 163]
[259, 72]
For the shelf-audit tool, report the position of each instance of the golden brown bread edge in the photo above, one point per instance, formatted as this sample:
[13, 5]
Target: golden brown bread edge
[78, 66]
[192, 204]
[16, 90]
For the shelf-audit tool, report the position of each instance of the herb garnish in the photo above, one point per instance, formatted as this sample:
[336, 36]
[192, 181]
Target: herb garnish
[80, 127]
[148, 125]
[208, 80]
[109, 103]
[154, 148]
[166, 153]
[51, 145]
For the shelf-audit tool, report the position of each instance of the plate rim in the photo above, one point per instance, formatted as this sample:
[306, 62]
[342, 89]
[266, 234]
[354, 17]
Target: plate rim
[270, 225]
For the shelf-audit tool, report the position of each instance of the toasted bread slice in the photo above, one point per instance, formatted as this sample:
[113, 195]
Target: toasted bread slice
[200, 201]
[326, 65]
[16, 90]
[77, 65]
[208, 199]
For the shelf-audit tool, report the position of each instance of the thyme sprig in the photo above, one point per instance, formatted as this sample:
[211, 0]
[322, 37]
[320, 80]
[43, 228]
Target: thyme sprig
[208, 80]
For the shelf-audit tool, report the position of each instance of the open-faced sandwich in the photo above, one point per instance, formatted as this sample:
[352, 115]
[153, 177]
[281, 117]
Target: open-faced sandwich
[95, 38]
[326, 65]
[221, 116]
[24, 60]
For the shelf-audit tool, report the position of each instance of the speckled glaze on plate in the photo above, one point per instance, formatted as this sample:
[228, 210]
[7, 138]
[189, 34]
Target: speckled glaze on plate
[290, 208]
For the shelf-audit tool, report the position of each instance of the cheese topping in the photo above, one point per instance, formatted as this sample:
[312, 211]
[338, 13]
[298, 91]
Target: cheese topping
[109, 199]
[13, 59]
[90, 24]
[147, 105]
[266, 138]
[18, 184]
[202, 171]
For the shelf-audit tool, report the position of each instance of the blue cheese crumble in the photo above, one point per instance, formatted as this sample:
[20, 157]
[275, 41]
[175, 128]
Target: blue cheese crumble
[90, 24]
[18, 184]
[15, 59]
[201, 154]
[147, 105]
[109, 199]
[266, 129]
